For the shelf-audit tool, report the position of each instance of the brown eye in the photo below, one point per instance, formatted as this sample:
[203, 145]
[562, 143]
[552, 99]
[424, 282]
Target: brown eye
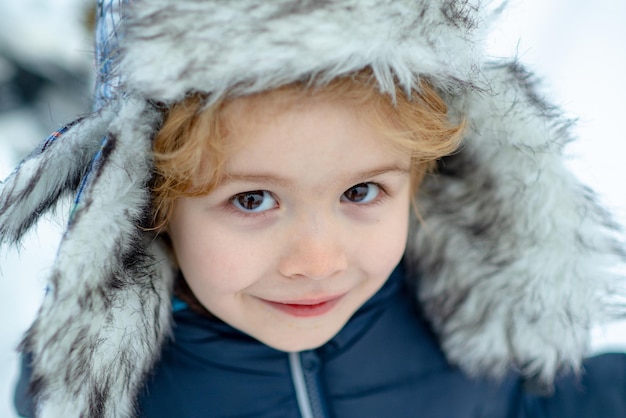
[254, 201]
[361, 193]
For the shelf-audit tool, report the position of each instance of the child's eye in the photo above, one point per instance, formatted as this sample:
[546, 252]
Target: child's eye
[361, 193]
[254, 201]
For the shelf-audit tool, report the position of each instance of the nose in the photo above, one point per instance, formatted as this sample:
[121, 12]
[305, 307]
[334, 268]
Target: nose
[313, 250]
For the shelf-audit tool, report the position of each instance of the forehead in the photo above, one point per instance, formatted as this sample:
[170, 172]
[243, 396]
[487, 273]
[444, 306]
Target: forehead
[312, 134]
[359, 90]
[267, 108]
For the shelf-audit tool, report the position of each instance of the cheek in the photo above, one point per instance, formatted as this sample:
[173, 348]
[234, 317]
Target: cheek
[382, 250]
[214, 261]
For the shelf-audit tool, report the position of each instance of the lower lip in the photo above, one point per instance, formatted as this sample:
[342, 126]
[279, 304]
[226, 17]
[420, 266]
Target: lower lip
[303, 311]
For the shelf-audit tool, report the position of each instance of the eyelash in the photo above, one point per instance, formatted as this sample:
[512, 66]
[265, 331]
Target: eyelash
[376, 200]
[381, 197]
[236, 211]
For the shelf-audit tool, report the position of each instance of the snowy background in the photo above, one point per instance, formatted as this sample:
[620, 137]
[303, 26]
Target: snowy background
[45, 62]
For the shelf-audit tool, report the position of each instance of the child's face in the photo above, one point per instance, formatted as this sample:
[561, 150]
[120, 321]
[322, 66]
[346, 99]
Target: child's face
[309, 223]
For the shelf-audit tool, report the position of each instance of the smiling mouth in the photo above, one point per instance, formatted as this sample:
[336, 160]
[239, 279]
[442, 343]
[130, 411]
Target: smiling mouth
[305, 308]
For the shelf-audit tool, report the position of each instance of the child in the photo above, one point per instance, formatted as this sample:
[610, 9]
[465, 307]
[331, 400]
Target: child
[260, 230]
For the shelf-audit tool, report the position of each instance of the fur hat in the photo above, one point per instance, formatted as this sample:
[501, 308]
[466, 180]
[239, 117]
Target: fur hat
[515, 258]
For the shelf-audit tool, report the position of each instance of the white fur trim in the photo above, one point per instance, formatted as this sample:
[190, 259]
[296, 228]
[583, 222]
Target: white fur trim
[172, 48]
[107, 312]
[514, 252]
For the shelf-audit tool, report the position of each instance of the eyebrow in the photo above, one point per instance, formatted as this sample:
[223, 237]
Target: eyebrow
[274, 180]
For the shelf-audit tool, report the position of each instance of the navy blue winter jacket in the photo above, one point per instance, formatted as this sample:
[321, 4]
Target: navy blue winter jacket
[384, 363]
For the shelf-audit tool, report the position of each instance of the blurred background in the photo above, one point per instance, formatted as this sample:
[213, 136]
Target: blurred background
[575, 46]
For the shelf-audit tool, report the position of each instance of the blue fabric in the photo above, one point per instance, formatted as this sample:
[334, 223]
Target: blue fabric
[178, 305]
[600, 392]
[109, 14]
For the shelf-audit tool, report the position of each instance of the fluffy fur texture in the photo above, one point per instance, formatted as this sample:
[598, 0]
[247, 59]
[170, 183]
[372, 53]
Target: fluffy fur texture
[107, 310]
[33, 189]
[514, 254]
[249, 46]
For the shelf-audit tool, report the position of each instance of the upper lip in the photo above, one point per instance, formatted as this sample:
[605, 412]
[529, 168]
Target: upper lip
[307, 301]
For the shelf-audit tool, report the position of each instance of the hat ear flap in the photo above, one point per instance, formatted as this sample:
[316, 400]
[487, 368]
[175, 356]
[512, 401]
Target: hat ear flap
[53, 170]
[512, 247]
[107, 311]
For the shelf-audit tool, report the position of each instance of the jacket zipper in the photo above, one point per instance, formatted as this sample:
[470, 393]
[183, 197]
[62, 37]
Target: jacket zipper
[308, 393]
